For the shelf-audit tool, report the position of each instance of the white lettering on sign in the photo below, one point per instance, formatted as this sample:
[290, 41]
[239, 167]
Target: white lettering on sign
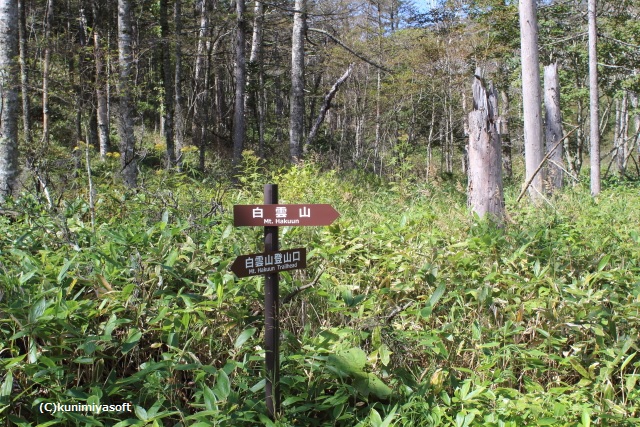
[258, 213]
[304, 212]
[278, 258]
[259, 260]
[296, 256]
[268, 260]
[248, 263]
[281, 212]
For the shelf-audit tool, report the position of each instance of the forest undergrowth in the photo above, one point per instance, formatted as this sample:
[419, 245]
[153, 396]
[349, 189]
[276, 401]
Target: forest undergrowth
[418, 314]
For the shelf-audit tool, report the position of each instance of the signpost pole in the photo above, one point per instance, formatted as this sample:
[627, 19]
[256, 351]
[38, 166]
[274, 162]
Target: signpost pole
[271, 314]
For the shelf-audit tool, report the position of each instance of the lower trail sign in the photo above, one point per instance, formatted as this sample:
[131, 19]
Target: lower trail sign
[271, 215]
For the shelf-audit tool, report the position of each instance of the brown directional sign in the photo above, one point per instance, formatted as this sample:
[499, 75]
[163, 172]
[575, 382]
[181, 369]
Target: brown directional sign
[269, 262]
[283, 215]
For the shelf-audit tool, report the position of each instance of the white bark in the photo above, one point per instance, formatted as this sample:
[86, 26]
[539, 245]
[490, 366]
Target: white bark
[125, 92]
[553, 126]
[240, 74]
[485, 193]
[102, 110]
[593, 101]
[296, 118]
[531, 96]
[8, 97]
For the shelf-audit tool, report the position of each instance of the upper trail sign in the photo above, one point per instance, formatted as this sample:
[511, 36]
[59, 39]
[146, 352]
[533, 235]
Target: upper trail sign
[283, 215]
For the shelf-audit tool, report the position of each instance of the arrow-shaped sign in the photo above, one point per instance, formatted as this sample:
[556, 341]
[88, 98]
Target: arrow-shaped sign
[269, 262]
[283, 215]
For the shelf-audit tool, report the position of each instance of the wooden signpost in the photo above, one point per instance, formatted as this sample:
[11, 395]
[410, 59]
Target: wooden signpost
[272, 215]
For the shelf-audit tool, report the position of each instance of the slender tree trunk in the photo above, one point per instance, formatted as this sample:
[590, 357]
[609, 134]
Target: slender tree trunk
[531, 97]
[296, 119]
[594, 133]
[485, 194]
[102, 107]
[46, 66]
[168, 84]
[257, 70]
[8, 98]
[240, 74]
[505, 136]
[199, 80]
[24, 75]
[621, 138]
[553, 126]
[179, 119]
[125, 93]
[325, 107]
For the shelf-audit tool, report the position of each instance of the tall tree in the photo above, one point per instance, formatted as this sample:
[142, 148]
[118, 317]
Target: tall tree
[102, 101]
[240, 74]
[24, 74]
[296, 118]
[46, 71]
[168, 85]
[8, 97]
[178, 110]
[125, 93]
[531, 96]
[199, 125]
[594, 112]
[553, 126]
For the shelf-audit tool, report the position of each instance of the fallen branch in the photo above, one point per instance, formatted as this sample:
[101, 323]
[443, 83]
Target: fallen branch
[299, 289]
[399, 309]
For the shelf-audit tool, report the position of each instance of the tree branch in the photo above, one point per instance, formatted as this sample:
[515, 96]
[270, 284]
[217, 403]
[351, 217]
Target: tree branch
[348, 49]
[299, 289]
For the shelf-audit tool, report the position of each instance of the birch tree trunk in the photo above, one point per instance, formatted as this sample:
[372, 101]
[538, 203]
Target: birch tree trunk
[531, 97]
[200, 91]
[179, 123]
[296, 119]
[256, 66]
[553, 127]
[102, 107]
[46, 65]
[125, 92]
[167, 82]
[24, 75]
[240, 74]
[621, 141]
[8, 97]
[594, 112]
[485, 194]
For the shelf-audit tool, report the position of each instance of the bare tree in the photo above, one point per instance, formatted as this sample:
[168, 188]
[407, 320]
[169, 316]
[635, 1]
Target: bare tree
[167, 82]
[485, 193]
[240, 74]
[24, 75]
[594, 131]
[531, 96]
[125, 92]
[8, 97]
[553, 126]
[102, 101]
[178, 111]
[296, 118]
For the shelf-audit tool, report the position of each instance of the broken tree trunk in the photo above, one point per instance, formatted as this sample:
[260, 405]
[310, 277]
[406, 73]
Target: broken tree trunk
[485, 195]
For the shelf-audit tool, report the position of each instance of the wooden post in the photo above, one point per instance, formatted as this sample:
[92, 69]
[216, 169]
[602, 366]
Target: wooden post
[271, 314]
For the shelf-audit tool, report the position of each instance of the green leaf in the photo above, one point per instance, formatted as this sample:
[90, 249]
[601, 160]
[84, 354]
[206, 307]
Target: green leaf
[370, 384]
[351, 361]
[7, 385]
[65, 269]
[586, 417]
[209, 398]
[374, 418]
[243, 337]
[132, 340]
[222, 388]
[547, 422]
[37, 309]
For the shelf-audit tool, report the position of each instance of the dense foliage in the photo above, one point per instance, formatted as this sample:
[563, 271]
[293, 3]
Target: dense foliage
[418, 315]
